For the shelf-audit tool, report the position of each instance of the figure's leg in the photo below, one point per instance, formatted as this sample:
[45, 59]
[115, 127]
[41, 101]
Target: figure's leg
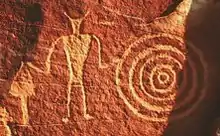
[86, 115]
[70, 81]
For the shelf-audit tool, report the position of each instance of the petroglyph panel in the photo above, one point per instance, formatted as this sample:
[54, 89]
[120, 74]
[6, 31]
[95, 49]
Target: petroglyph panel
[84, 67]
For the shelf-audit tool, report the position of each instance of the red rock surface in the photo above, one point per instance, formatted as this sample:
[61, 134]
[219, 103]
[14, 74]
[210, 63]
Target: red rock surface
[105, 67]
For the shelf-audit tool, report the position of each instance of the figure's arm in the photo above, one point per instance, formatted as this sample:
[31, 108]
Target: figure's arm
[46, 69]
[103, 65]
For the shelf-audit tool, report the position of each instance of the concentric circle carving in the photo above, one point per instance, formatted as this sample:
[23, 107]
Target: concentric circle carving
[159, 73]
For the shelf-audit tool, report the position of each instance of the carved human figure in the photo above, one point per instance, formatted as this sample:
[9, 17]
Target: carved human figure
[76, 48]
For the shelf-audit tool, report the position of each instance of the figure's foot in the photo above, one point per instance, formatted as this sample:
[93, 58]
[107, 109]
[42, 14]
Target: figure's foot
[103, 66]
[65, 120]
[88, 117]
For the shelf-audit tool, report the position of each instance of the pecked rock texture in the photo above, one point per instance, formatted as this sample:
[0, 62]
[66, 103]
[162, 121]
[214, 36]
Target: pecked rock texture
[104, 67]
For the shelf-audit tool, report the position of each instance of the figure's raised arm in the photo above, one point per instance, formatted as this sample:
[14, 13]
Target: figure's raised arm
[47, 64]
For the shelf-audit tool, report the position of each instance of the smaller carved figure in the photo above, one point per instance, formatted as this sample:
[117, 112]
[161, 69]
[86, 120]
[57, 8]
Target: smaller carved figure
[23, 87]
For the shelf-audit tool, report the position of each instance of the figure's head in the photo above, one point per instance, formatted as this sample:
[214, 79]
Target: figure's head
[74, 9]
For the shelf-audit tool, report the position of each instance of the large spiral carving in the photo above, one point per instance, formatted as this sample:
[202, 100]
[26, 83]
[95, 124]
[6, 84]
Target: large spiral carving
[158, 74]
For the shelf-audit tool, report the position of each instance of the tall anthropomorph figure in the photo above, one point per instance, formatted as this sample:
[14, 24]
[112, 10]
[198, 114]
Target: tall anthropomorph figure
[76, 47]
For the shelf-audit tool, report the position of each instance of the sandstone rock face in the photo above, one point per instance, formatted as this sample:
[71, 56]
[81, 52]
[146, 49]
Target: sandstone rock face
[105, 67]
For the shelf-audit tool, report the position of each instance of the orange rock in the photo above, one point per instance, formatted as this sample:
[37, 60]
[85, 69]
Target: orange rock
[104, 67]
